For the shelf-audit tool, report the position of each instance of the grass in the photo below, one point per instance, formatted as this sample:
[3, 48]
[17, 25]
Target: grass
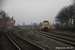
[23, 30]
[28, 35]
[33, 37]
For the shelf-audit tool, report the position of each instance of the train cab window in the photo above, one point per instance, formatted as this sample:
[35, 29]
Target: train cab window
[45, 23]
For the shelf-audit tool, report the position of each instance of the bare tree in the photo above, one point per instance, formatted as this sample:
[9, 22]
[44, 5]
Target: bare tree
[66, 15]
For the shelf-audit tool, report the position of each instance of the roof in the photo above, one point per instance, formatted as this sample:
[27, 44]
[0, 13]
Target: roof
[45, 21]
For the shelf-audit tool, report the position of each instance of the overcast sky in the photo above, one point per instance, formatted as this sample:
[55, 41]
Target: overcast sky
[34, 10]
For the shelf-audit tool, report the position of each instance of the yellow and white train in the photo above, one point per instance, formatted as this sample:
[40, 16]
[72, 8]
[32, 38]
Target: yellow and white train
[45, 25]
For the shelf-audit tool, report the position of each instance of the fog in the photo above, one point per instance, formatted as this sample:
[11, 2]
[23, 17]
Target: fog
[34, 10]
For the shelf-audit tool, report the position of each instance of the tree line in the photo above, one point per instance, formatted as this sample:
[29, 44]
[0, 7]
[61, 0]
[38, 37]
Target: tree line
[66, 17]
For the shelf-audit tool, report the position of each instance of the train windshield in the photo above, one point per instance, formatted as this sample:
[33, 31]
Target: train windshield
[45, 23]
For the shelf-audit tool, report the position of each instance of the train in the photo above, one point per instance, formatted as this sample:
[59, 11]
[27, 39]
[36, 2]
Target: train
[45, 26]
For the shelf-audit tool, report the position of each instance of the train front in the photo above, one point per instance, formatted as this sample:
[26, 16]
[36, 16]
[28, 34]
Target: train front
[45, 25]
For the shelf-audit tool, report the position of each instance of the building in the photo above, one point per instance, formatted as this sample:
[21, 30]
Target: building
[2, 19]
[10, 22]
[6, 21]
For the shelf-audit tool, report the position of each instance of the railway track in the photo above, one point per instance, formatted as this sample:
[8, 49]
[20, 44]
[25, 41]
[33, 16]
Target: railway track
[13, 42]
[61, 38]
[22, 44]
